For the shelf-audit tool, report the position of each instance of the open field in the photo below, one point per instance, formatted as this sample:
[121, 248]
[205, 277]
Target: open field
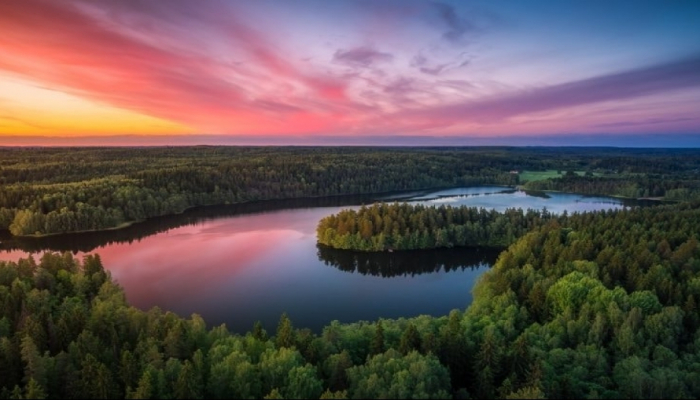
[530, 176]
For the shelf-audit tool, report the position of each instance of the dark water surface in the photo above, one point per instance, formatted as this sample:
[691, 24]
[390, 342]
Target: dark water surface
[241, 263]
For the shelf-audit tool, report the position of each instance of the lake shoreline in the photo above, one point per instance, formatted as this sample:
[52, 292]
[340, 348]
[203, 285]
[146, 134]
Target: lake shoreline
[405, 194]
[245, 262]
[658, 198]
[127, 224]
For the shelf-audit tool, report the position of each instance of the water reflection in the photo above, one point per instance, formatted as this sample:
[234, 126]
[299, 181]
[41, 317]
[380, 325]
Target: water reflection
[407, 263]
[88, 241]
[495, 197]
[241, 263]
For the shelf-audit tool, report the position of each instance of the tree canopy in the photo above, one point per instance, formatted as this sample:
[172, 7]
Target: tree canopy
[591, 305]
[404, 226]
[58, 190]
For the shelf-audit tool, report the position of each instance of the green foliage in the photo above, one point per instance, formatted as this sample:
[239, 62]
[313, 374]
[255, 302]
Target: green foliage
[274, 394]
[47, 191]
[528, 392]
[377, 346]
[382, 226]
[259, 332]
[34, 390]
[303, 383]
[343, 394]
[392, 375]
[410, 340]
[529, 176]
[669, 186]
[57, 190]
[585, 305]
[285, 332]
[601, 308]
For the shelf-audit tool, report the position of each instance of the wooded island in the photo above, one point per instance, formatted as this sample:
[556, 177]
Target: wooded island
[404, 226]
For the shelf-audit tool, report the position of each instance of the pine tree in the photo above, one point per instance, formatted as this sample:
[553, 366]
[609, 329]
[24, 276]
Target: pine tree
[410, 339]
[34, 390]
[145, 388]
[187, 385]
[285, 332]
[259, 332]
[377, 346]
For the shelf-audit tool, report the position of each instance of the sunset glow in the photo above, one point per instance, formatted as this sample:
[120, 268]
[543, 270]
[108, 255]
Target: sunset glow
[345, 69]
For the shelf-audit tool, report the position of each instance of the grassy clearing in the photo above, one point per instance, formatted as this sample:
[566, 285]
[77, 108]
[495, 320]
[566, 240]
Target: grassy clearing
[530, 176]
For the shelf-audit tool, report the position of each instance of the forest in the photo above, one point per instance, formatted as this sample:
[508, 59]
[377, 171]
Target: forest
[67, 190]
[60, 190]
[592, 305]
[404, 226]
[633, 186]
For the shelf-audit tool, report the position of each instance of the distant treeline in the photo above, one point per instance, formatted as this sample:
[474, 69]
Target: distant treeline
[673, 188]
[56, 190]
[594, 305]
[404, 226]
[67, 190]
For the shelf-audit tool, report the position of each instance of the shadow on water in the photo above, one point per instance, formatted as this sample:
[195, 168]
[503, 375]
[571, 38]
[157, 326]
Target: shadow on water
[408, 263]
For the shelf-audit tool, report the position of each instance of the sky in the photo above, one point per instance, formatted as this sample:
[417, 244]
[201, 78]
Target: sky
[403, 72]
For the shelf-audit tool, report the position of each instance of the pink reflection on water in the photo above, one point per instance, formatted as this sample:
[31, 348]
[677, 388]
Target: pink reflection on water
[192, 261]
[14, 255]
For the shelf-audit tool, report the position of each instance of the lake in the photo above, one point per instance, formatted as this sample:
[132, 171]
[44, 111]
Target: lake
[241, 263]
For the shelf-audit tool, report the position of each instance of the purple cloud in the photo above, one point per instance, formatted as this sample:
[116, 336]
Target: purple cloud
[425, 66]
[418, 60]
[680, 74]
[457, 27]
[400, 86]
[361, 56]
[648, 121]
[436, 70]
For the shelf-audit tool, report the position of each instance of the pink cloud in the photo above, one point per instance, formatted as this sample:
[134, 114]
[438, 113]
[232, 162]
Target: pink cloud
[64, 47]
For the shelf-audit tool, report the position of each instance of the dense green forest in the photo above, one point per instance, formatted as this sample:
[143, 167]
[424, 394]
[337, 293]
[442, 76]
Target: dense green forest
[598, 305]
[675, 188]
[67, 190]
[404, 226]
[56, 190]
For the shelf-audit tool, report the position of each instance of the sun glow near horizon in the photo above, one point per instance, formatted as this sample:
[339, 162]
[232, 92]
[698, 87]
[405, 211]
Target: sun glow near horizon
[29, 109]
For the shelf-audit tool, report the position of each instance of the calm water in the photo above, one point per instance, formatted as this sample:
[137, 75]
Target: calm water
[238, 264]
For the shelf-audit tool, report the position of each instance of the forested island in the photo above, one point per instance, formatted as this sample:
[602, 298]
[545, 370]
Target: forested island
[404, 226]
[60, 190]
[598, 305]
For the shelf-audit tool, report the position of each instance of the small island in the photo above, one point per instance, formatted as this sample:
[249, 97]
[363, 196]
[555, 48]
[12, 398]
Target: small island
[404, 226]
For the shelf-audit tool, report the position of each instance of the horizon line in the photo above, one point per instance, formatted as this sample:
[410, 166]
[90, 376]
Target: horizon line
[611, 140]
